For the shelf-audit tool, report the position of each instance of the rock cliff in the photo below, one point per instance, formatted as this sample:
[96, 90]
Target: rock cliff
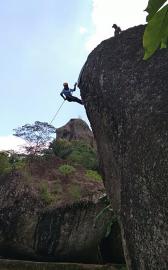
[126, 100]
[76, 129]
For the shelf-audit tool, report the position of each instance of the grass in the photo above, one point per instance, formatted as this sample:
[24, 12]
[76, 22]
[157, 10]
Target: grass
[94, 175]
[45, 194]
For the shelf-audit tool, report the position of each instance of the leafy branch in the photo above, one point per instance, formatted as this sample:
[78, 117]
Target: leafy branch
[156, 32]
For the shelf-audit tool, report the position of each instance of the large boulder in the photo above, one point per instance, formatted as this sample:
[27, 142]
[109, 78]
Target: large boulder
[126, 100]
[29, 229]
[76, 129]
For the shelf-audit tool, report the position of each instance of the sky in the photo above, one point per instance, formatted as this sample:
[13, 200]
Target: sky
[44, 43]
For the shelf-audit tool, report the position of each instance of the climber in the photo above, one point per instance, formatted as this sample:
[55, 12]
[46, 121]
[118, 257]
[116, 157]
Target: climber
[117, 30]
[67, 94]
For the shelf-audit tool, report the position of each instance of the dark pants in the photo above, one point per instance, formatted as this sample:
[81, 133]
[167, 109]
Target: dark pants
[75, 99]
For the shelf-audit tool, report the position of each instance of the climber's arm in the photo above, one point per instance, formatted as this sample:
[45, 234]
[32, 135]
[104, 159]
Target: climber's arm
[72, 90]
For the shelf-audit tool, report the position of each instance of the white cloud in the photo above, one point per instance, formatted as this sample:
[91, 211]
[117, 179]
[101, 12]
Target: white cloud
[107, 12]
[82, 30]
[10, 143]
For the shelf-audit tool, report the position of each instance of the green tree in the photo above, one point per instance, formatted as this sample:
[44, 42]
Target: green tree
[4, 163]
[37, 136]
[61, 148]
[83, 154]
[77, 152]
[156, 32]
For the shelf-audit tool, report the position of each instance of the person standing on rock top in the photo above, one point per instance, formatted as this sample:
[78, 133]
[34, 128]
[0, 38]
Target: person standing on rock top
[66, 93]
[117, 30]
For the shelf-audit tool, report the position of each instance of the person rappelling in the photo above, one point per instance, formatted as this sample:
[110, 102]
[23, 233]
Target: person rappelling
[66, 94]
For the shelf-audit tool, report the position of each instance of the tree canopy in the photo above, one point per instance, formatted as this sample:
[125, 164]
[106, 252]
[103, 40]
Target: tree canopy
[36, 136]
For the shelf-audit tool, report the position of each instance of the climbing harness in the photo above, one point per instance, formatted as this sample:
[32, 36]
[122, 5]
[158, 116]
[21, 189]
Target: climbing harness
[57, 112]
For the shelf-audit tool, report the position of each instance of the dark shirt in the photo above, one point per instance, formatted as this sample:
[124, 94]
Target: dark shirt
[117, 31]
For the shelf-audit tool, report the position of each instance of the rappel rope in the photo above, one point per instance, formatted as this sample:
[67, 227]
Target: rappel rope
[57, 113]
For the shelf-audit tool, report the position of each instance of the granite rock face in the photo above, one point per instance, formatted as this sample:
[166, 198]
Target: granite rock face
[126, 99]
[72, 233]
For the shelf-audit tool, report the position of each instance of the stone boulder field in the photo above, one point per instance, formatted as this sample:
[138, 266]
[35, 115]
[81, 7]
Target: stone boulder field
[126, 99]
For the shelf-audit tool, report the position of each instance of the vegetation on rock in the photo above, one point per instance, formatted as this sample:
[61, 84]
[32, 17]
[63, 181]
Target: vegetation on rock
[63, 172]
[66, 169]
[76, 151]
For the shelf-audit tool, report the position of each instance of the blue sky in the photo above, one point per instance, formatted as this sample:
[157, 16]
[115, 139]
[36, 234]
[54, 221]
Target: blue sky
[44, 43]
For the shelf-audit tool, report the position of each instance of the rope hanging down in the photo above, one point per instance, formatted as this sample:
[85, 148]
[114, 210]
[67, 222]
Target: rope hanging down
[57, 112]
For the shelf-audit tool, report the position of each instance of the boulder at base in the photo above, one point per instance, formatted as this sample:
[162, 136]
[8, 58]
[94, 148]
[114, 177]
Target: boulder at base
[25, 265]
[29, 229]
[126, 100]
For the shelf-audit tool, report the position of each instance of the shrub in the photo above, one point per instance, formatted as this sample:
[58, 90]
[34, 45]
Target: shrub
[4, 163]
[84, 155]
[75, 192]
[17, 162]
[77, 151]
[45, 195]
[61, 148]
[66, 169]
[94, 175]
[57, 188]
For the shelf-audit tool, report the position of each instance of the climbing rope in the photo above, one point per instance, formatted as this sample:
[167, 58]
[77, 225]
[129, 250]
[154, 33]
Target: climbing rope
[57, 112]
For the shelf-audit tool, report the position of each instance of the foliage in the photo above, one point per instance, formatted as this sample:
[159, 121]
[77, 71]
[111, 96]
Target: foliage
[10, 162]
[66, 169]
[83, 154]
[93, 175]
[45, 195]
[78, 152]
[17, 161]
[4, 163]
[61, 148]
[57, 188]
[36, 136]
[75, 191]
[156, 32]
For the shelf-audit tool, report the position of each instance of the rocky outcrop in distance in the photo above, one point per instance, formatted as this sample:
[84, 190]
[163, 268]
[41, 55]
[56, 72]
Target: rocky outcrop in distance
[126, 100]
[76, 129]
